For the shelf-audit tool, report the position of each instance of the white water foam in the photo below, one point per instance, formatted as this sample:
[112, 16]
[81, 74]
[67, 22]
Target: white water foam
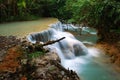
[74, 54]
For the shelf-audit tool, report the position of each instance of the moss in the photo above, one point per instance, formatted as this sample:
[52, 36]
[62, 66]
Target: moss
[35, 54]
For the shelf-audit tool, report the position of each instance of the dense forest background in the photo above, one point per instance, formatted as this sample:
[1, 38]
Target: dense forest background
[103, 15]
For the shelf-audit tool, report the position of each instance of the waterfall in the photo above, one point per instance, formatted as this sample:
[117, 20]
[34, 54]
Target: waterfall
[67, 48]
[88, 62]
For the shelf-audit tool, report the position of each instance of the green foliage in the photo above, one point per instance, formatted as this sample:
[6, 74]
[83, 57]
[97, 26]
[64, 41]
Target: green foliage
[21, 4]
[17, 10]
[35, 54]
[104, 15]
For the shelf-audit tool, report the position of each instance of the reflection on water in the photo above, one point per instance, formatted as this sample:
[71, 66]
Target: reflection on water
[24, 28]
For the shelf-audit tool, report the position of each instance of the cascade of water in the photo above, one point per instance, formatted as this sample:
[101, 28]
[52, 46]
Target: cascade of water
[73, 52]
[67, 48]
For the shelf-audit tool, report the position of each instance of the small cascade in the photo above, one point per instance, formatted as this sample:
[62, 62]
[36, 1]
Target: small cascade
[67, 48]
[88, 62]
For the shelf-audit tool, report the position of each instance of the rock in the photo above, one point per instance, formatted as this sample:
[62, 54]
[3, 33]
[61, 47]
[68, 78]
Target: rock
[53, 67]
[62, 72]
[45, 67]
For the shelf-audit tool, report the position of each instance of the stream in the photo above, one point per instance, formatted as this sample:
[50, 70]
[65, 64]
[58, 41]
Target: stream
[23, 28]
[95, 65]
[76, 52]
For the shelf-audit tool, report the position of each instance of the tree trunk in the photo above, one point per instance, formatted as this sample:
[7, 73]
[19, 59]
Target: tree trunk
[103, 33]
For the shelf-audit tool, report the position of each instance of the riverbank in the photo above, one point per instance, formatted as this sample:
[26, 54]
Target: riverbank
[113, 51]
[14, 65]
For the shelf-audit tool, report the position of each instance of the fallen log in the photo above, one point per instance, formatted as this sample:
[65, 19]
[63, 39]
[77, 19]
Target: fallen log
[52, 42]
[39, 47]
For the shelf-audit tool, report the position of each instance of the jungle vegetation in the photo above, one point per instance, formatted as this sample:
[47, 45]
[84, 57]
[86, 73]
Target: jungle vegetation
[103, 15]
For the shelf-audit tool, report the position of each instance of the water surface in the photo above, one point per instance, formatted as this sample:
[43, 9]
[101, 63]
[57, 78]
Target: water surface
[95, 65]
[23, 28]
